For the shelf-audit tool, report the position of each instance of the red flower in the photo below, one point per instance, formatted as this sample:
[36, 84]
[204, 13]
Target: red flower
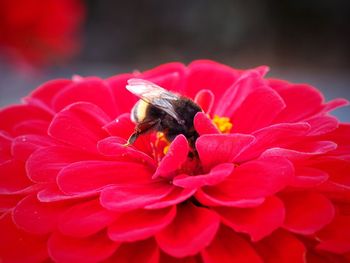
[271, 182]
[39, 31]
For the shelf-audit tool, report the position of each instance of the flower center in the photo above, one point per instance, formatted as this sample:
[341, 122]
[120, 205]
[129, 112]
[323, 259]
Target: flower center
[222, 123]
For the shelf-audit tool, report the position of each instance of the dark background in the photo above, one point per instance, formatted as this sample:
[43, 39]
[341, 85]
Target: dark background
[301, 40]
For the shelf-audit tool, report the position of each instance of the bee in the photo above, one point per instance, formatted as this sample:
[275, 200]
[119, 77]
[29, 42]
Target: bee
[161, 110]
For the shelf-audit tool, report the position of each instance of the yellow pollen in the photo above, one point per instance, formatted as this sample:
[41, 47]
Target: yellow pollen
[222, 123]
[161, 138]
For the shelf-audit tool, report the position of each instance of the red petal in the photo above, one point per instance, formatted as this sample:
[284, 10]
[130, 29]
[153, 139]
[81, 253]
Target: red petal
[8, 202]
[36, 217]
[335, 237]
[140, 224]
[176, 196]
[170, 76]
[269, 176]
[340, 136]
[132, 196]
[44, 164]
[308, 177]
[233, 96]
[229, 247]
[220, 200]
[121, 126]
[5, 146]
[209, 75]
[306, 150]
[215, 176]
[115, 147]
[205, 99]
[277, 135]
[214, 149]
[337, 169]
[145, 251]
[92, 176]
[14, 115]
[322, 124]
[165, 258]
[262, 106]
[31, 127]
[13, 177]
[192, 229]
[23, 146]
[94, 91]
[19, 246]
[93, 249]
[80, 124]
[269, 214]
[204, 125]
[44, 94]
[125, 99]
[281, 246]
[85, 219]
[307, 213]
[302, 101]
[51, 193]
[174, 159]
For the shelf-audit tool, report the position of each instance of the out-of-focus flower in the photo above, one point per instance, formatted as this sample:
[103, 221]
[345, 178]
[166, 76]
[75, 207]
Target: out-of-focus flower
[271, 182]
[35, 32]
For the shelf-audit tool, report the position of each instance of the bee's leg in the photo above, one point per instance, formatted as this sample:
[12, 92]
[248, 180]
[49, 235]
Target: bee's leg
[142, 128]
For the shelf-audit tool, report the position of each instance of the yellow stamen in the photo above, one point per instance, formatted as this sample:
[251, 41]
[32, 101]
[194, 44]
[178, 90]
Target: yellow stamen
[222, 123]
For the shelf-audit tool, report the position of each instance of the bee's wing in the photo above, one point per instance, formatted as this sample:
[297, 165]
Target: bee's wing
[153, 94]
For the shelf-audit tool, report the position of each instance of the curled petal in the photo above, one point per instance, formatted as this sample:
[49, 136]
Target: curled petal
[192, 229]
[174, 159]
[140, 224]
[205, 99]
[204, 125]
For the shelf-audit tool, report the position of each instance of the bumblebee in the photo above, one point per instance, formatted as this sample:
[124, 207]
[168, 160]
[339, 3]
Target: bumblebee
[163, 111]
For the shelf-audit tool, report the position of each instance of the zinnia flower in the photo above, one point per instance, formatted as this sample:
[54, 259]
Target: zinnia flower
[270, 184]
[39, 31]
